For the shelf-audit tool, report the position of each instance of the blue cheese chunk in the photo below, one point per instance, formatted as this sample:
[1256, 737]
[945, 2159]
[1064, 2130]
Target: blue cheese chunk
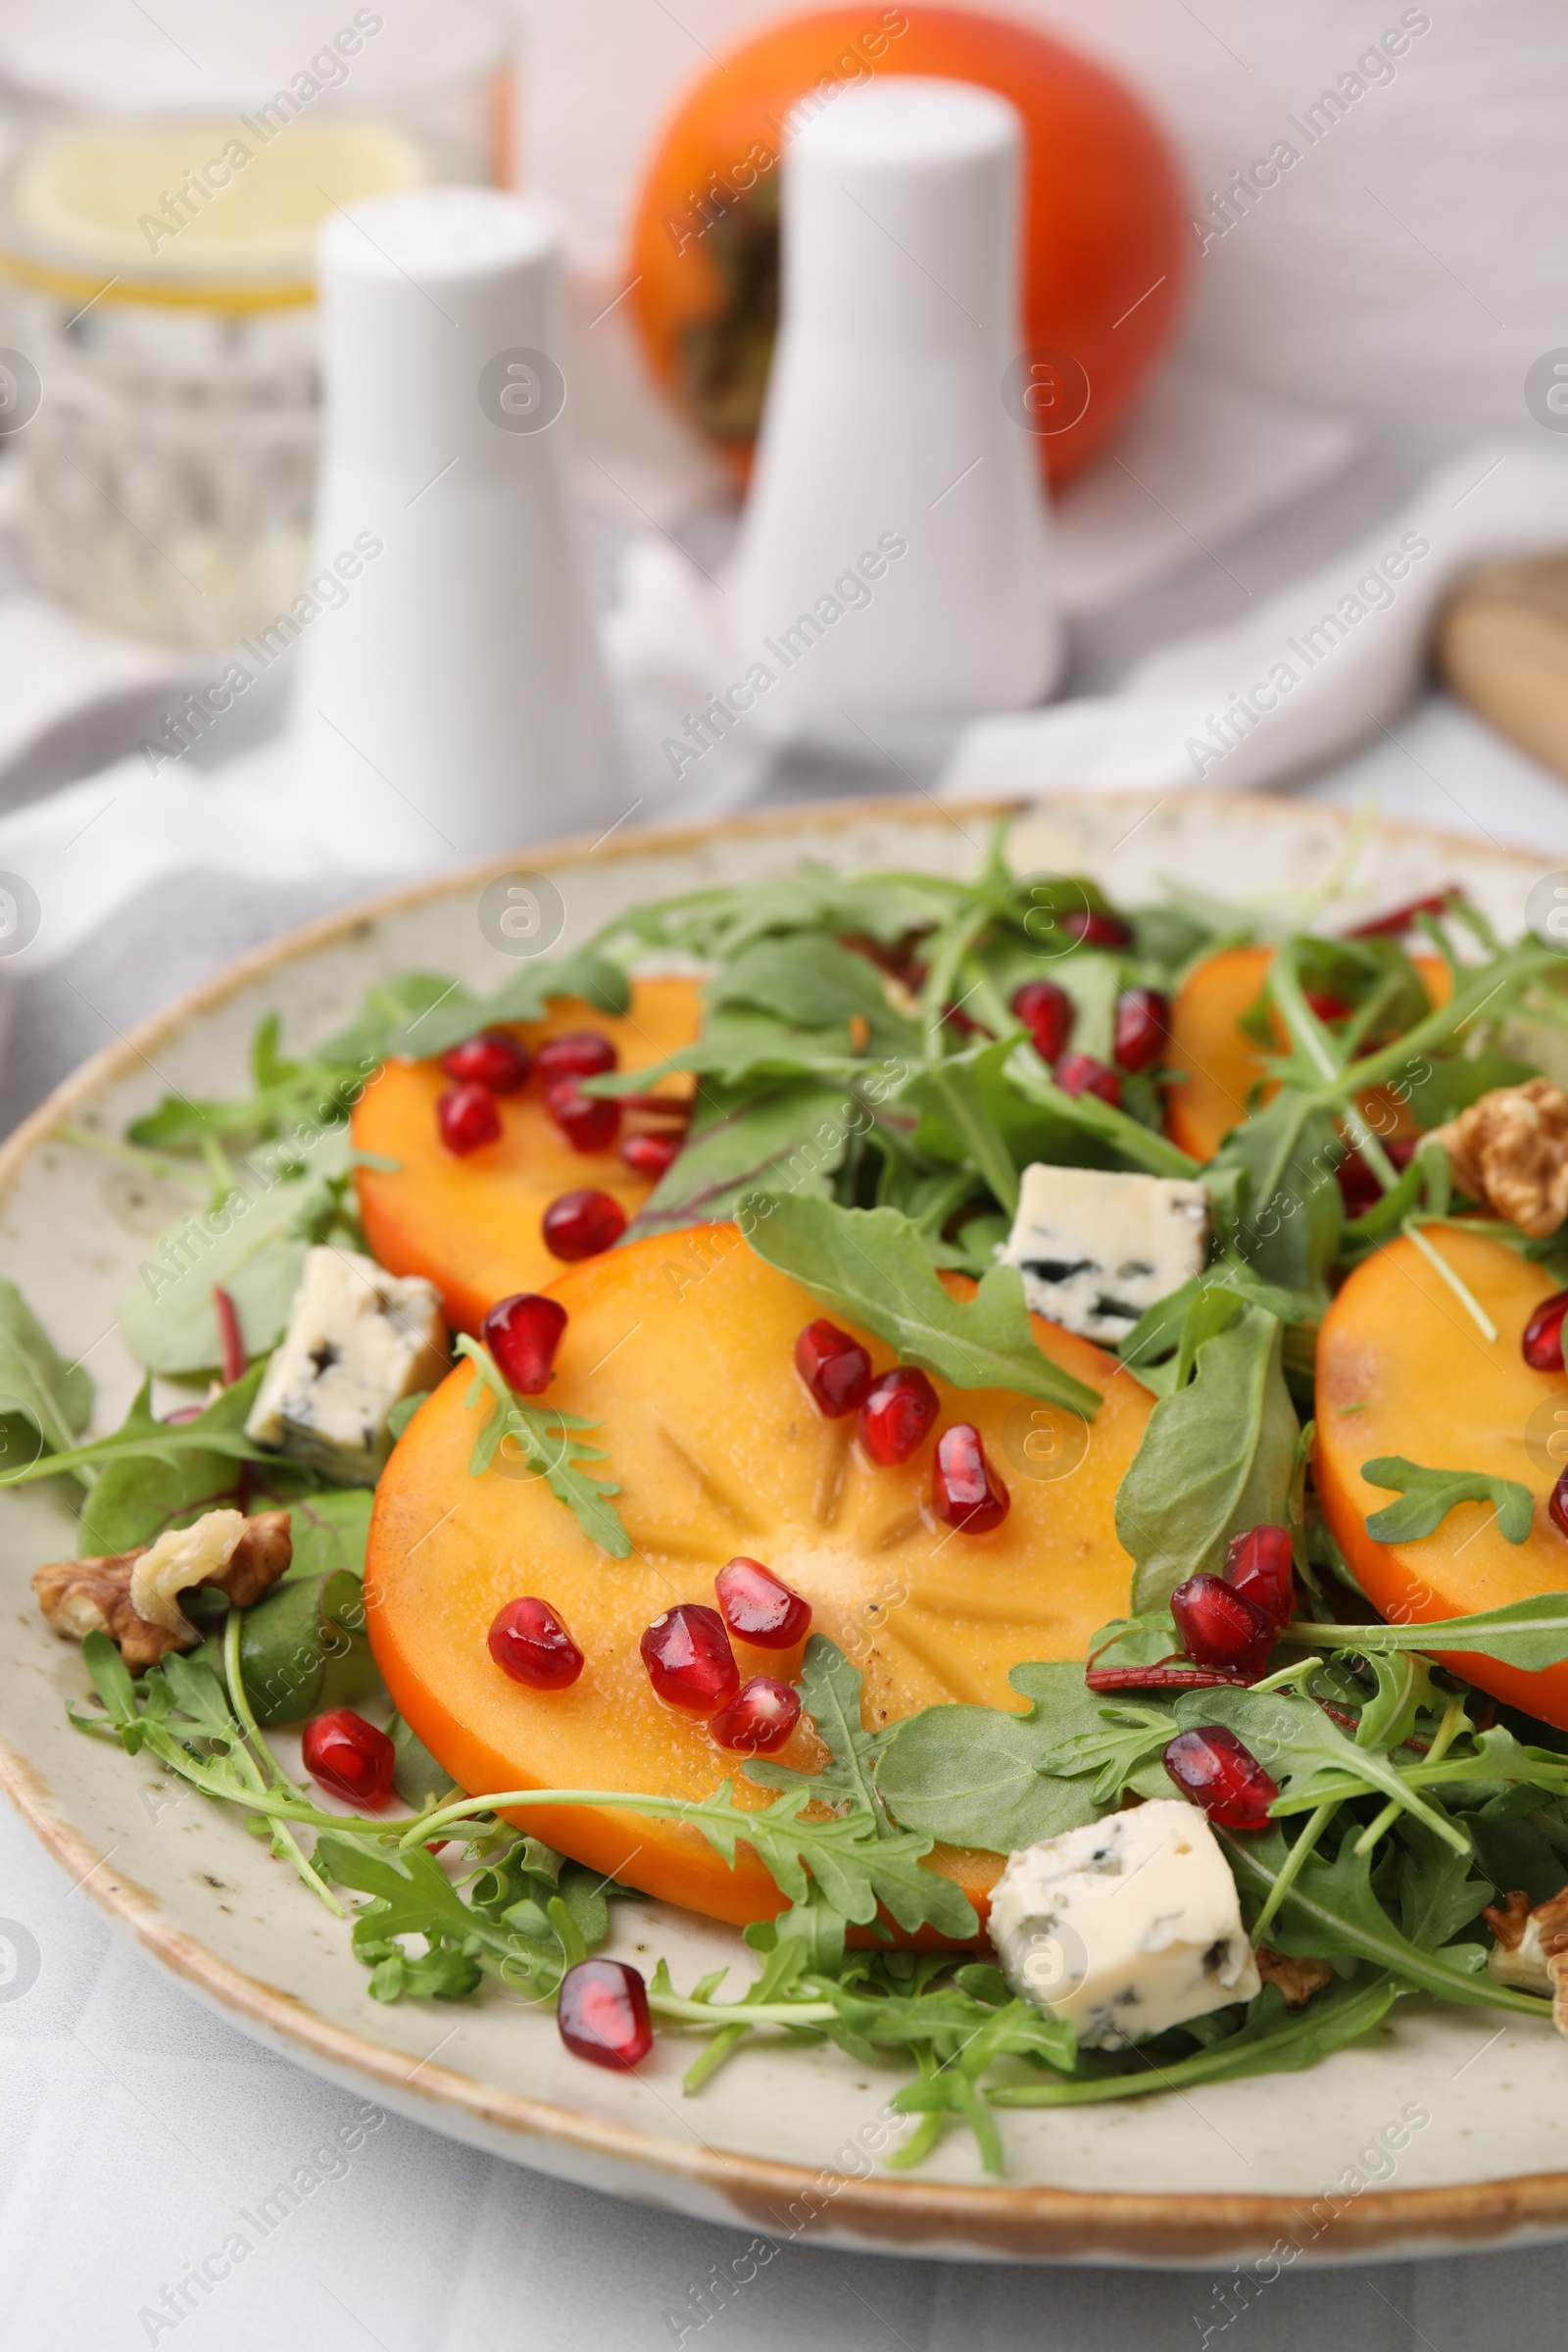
[358, 1340]
[1096, 1249]
[1124, 1926]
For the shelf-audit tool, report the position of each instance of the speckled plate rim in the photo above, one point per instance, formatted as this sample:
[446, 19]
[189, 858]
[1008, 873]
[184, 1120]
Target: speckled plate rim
[903, 2216]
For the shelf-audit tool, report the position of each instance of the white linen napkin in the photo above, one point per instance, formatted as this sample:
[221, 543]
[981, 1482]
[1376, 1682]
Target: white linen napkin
[1313, 671]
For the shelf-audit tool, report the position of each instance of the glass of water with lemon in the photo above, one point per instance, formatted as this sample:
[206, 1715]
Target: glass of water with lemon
[156, 285]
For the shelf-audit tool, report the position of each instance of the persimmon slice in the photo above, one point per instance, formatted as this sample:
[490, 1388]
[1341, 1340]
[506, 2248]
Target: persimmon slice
[1220, 1065]
[1403, 1369]
[681, 1347]
[471, 1224]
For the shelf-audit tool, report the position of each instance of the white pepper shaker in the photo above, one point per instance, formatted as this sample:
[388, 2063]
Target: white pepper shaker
[450, 701]
[894, 552]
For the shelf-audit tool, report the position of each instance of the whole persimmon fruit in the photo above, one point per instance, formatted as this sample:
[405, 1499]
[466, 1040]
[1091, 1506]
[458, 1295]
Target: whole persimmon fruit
[1106, 252]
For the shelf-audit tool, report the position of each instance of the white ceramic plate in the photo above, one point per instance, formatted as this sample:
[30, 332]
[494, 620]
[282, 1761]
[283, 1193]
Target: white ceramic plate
[1443, 2130]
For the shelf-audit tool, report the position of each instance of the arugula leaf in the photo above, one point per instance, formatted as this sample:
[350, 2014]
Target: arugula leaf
[149, 1474]
[870, 1266]
[830, 1693]
[415, 1015]
[252, 1246]
[1437, 1896]
[947, 2084]
[980, 1775]
[1298, 1745]
[1454, 1080]
[1274, 2040]
[1092, 1133]
[972, 1117]
[792, 1136]
[1215, 1457]
[550, 1443]
[1332, 1912]
[1292, 1209]
[813, 982]
[37, 1387]
[1127, 1736]
[1430, 1495]
[412, 1896]
[1164, 1325]
[1531, 1633]
[718, 924]
[740, 1044]
[853, 1864]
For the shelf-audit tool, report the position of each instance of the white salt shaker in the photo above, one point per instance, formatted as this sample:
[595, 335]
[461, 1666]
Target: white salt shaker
[894, 553]
[450, 700]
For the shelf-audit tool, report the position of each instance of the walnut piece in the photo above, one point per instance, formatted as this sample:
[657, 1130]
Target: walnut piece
[1530, 1952]
[1298, 1980]
[1510, 1152]
[113, 1593]
[1509, 1919]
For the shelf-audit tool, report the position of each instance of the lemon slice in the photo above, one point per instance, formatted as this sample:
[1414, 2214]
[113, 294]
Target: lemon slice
[210, 201]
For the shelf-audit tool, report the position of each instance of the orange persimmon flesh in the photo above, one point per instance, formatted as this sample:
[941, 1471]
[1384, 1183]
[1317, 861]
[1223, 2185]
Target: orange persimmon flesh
[1402, 1368]
[1220, 1064]
[681, 1347]
[471, 1224]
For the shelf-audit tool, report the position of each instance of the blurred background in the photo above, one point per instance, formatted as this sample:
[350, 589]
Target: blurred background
[1281, 265]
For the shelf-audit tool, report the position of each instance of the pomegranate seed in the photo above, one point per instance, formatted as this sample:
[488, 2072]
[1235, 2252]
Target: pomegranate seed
[348, 1756]
[1358, 1187]
[965, 1491]
[1143, 1024]
[492, 1059]
[1047, 1012]
[528, 1641]
[1258, 1565]
[1092, 929]
[522, 1334]
[834, 1368]
[760, 1720]
[1400, 919]
[1221, 1777]
[1557, 1507]
[581, 1224]
[1327, 1007]
[579, 1054]
[1082, 1074]
[651, 1156]
[1541, 1343]
[898, 1411]
[689, 1660]
[587, 1124]
[467, 1118]
[1220, 1625]
[602, 2012]
[759, 1608]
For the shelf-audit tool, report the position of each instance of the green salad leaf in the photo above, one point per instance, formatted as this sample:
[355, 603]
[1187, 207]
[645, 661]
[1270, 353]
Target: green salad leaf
[252, 1246]
[148, 1474]
[980, 1775]
[1532, 1634]
[1273, 2039]
[38, 1390]
[551, 1444]
[1429, 1496]
[830, 1693]
[870, 1266]
[1216, 1457]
